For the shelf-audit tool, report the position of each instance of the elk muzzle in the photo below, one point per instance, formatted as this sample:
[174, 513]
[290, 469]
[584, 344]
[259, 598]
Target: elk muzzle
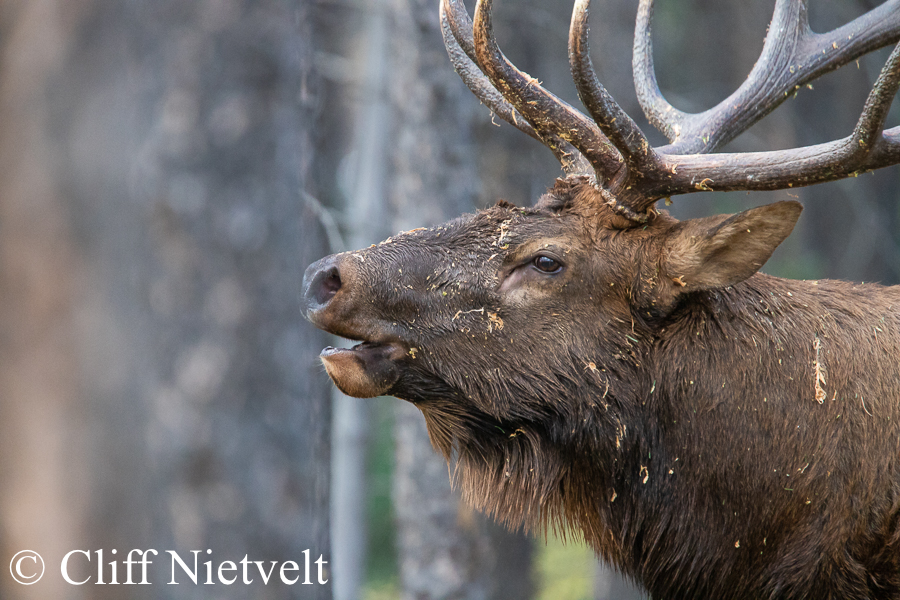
[331, 297]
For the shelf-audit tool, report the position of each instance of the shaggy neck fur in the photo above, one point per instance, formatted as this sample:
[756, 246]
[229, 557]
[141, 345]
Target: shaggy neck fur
[714, 407]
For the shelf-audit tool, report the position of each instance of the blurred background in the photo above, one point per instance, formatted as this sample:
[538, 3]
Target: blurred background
[170, 167]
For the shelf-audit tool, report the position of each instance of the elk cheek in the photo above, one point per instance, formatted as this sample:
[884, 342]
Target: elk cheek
[363, 372]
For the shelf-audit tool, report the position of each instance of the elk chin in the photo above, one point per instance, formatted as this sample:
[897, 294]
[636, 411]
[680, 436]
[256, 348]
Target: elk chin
[364, 371]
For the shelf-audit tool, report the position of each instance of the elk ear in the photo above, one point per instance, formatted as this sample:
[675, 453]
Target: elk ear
[719, 251]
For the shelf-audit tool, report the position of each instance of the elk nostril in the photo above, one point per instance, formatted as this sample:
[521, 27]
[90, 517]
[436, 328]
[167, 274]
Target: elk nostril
[325, 285]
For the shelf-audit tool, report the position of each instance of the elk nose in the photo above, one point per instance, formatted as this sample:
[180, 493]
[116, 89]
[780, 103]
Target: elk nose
[321, 282]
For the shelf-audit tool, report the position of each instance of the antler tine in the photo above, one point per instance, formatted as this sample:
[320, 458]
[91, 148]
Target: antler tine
[456, 28]
[547, 113]
[792, 56]
[706, 131]
[694, 133]
[458, 47]
[878, 104]
[614, 122]
[661, 114]
[455, 15]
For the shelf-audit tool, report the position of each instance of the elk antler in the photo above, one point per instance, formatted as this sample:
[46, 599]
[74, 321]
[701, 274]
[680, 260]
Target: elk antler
[456, 28]
[635, 175]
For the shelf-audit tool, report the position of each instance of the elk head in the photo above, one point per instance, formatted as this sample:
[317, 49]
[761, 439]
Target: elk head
[487, 317]
[530, 338]
[594, 249]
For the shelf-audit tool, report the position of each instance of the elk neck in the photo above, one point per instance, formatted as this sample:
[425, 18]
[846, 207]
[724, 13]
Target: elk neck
[677, 413]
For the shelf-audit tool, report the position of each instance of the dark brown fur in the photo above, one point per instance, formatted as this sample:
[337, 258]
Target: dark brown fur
[656, 396]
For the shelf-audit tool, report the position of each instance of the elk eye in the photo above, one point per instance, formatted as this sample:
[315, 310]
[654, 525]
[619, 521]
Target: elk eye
[545, 264]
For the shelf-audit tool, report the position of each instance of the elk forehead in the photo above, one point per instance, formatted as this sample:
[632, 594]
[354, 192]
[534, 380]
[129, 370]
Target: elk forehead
[471, 259]
[492, 237]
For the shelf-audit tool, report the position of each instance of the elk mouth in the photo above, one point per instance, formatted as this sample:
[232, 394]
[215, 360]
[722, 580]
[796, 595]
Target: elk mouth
[366, 370]
[370, 368]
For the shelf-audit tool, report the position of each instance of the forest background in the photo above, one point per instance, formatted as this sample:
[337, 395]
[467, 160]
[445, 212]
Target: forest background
[170, 167]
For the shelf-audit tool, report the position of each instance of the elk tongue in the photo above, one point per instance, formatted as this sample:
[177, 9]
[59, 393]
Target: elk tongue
[364, 371]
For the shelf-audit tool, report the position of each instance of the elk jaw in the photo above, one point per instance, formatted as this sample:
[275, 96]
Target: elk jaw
[367, 370]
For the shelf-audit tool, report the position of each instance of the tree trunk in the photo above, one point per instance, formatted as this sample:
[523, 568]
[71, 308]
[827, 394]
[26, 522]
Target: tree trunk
[42, 450]
[445, 549]
[367, 223]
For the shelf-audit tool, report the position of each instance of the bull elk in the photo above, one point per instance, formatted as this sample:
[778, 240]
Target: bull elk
[593, 364]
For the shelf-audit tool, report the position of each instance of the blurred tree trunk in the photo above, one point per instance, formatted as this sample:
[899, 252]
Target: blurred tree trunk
[445, 549]
[42, 458]
[367, 223]
[154, 237]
